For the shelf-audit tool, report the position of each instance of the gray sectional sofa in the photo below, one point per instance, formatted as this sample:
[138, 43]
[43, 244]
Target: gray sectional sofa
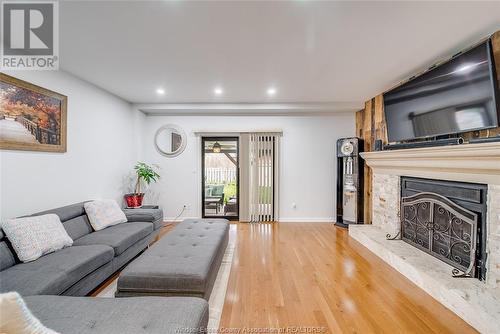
[184, 263]
[94, 256]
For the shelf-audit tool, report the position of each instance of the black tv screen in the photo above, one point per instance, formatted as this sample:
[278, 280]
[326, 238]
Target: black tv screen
[458, 96]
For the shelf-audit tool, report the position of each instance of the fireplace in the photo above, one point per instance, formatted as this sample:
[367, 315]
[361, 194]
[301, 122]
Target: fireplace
[401, 174]
[446, 220]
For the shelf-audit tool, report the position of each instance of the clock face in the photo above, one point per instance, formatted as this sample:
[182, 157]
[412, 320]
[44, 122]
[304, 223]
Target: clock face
[347, 148]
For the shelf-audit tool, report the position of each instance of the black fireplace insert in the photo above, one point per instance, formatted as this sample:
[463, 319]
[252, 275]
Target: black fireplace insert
[447, 220]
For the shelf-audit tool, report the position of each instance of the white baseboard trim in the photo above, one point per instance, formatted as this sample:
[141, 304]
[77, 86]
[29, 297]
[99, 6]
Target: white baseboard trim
[307, 220]
[281, 220]
[172, 219]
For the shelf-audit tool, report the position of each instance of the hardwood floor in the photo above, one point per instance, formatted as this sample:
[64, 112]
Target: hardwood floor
[313, 274]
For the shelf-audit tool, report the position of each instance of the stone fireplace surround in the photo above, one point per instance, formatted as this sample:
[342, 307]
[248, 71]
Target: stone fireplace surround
[477, 302]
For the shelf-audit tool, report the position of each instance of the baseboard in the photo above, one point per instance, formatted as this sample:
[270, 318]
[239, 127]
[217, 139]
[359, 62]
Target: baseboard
[179, 219]
[307, 220]
[281, 220]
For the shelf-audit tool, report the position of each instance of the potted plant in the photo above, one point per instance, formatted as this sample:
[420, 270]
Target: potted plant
[144, 173]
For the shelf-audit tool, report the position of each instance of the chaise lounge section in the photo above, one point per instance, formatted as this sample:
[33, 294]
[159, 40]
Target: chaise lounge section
[156, 315]
[183, 263]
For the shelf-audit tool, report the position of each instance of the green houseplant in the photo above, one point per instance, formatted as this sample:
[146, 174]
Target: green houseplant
[145, 173]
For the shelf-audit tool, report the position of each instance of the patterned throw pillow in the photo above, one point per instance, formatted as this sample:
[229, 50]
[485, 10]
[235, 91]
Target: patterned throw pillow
[104, 213]
[32, 237]
[17, 318]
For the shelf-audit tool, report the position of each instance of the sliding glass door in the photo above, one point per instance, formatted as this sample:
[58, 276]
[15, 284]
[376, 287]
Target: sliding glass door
[220, 179]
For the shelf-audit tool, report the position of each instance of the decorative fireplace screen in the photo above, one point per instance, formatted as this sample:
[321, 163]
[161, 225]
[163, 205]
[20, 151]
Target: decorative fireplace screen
[441, 228]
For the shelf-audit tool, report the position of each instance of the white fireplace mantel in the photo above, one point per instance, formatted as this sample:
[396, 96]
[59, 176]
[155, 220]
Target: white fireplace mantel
[477, 302]
[478, 163]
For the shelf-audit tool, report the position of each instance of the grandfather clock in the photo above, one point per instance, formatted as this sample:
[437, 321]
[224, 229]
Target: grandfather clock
[349, 181]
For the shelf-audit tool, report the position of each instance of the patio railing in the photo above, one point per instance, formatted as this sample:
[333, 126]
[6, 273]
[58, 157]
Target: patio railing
[220, 175]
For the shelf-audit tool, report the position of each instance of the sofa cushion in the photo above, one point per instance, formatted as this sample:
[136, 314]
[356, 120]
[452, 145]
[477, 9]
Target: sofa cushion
[78, 226]
[120, 237]
[7, 257]
[74, 219]
[154, 216]
[154, 315]
[66, 212]
[34, 236]
[55, 272]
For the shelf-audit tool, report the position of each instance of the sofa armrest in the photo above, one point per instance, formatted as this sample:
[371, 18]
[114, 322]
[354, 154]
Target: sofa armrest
[143, 215]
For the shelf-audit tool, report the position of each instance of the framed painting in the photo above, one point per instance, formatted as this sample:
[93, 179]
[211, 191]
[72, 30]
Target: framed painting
[32, 118]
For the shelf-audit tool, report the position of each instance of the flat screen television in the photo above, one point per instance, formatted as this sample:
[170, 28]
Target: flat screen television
[458, 96]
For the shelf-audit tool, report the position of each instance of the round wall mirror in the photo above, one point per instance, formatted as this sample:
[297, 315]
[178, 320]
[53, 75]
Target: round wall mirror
[170, 140]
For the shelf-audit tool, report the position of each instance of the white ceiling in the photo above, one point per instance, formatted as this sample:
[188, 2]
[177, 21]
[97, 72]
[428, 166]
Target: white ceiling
[336, 53]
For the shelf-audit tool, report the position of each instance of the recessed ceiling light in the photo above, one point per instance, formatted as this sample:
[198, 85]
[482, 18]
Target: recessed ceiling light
[160, 91]
[271, 91]
[218, 91]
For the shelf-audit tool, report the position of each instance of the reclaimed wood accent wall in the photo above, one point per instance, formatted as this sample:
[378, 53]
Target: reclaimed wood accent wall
[371, 126]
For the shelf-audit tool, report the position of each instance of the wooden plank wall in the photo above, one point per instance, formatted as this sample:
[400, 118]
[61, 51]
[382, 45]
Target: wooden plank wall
[370, 126]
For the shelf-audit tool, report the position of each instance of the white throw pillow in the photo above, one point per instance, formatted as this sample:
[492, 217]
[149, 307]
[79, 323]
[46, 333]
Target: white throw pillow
[17, 318]
[32, 237]
[104, 213]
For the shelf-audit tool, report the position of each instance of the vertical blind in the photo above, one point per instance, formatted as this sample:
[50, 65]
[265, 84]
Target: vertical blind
[263, 176]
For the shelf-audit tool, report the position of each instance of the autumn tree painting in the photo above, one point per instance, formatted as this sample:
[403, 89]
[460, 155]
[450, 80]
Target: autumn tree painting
[31, 117]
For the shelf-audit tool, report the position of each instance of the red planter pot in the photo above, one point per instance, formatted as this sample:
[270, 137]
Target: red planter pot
[134, 200]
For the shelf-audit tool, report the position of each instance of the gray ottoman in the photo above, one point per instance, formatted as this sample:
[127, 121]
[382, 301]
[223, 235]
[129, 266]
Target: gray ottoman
[183, 263]
[152, 315]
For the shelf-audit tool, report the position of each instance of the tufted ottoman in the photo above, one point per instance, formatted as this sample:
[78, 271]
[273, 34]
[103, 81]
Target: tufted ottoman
[183, 263]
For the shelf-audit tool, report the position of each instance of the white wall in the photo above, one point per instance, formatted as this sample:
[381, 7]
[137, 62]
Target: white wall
[308, 161]
[101, 151]
[106, 136]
